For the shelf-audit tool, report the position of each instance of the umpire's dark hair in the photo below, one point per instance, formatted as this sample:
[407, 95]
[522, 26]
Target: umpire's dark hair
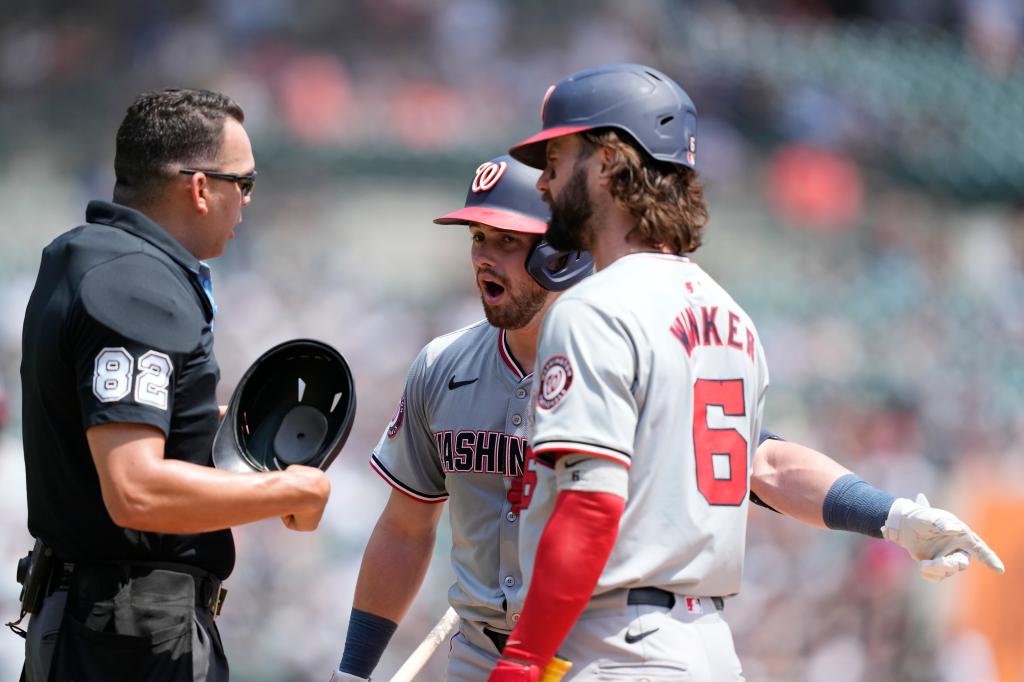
[163, 132]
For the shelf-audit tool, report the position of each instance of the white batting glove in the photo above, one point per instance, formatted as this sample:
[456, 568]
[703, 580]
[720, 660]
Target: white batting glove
[339, 676]
[942, 543]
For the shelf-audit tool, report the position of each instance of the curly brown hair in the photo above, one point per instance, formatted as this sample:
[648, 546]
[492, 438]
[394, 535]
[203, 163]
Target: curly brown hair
[666, 199]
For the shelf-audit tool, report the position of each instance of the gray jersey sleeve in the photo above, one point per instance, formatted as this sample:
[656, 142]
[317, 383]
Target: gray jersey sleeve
[406, 456]
[586, 383]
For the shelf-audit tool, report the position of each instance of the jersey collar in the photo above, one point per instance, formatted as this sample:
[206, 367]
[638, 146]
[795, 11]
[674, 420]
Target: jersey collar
[506, 354]
[655, 254]
[136, 222]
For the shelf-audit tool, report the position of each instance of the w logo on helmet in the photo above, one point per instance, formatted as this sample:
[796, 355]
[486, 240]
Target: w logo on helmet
[487, 176]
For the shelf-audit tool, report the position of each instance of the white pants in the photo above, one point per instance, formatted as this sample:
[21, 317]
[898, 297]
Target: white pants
[615, 641]
[691, 643]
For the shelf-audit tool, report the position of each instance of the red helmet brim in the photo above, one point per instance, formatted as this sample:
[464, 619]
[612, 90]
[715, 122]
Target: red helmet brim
[494, 217]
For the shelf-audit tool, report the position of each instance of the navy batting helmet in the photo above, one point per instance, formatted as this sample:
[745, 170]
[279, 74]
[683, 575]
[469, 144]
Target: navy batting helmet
[503, 194]
[294, 405]
[637, 99]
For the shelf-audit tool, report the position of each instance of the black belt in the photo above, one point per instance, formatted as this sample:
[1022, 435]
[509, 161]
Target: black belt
[210, 594]
[649, 596]
[60, 578]
[655, 596]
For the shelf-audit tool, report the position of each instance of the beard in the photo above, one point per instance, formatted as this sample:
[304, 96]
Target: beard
[518, 308]
[569, 226]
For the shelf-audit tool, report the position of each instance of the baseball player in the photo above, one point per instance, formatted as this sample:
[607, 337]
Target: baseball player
[459, 435]
[649, 398]
[467, 397]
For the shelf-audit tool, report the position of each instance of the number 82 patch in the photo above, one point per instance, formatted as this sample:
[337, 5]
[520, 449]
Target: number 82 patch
[114, 374]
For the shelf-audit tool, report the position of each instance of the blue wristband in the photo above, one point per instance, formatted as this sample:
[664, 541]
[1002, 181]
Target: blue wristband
[857, 506]
[368, 635]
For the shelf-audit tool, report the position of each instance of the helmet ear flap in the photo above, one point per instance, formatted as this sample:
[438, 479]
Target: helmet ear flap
[556, 270]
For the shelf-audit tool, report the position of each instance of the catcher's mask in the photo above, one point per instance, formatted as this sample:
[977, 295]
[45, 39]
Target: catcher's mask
[294, 405]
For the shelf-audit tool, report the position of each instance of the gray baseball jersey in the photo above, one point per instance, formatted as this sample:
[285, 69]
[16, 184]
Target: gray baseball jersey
[460, 434]
[650, 363]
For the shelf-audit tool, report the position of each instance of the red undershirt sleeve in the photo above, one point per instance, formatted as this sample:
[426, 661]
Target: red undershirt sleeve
[571, 555]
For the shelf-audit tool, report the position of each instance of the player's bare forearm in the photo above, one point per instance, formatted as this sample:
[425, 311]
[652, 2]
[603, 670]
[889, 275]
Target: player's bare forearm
[144, 491]
[397, 557]
[794, 479]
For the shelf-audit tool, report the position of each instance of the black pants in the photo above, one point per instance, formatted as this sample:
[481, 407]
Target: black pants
[133, 625]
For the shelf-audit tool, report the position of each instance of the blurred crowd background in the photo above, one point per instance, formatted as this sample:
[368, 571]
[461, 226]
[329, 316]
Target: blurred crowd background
[864, 164]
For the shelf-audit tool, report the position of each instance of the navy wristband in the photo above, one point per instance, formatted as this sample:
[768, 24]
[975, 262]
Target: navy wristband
[857, 506]
[368, 635]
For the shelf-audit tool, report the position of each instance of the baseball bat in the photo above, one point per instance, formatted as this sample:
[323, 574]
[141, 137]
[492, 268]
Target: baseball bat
[418, 658]
[555, 670]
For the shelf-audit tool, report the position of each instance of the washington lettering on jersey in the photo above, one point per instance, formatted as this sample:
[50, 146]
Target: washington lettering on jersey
[709, 331]
[484, 452]
[464, 443]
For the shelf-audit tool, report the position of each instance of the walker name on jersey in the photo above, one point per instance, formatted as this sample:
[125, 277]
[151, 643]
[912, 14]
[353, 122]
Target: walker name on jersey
[484, 452]
[709, 330]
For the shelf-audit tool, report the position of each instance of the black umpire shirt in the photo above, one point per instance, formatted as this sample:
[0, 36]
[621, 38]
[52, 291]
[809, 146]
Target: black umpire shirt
[118, 330]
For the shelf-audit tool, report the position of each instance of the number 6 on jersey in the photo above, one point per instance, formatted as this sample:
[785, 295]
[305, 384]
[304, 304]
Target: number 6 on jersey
[721, 453]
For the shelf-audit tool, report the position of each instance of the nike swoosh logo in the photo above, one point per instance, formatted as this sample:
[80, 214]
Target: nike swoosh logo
[633, 639]
[570, 465]
[453, 384]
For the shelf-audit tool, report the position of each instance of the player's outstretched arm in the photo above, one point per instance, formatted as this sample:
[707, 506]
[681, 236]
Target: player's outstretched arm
[813, 488]
[394, 565]
[794, 479]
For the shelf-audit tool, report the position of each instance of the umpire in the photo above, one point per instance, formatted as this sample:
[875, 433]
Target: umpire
[118, 376]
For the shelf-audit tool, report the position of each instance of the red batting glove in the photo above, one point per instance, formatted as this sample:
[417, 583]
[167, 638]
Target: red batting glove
[515, 495]
[516, 665]
[521, 489]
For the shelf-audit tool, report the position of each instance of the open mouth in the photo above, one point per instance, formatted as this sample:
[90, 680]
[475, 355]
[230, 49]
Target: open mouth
[491, 289]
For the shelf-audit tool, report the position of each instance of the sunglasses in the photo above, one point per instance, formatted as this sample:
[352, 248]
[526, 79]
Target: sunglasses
[244, 182]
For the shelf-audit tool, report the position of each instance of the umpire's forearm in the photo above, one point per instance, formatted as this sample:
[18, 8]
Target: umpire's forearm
[144, 491]
[187, 498]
